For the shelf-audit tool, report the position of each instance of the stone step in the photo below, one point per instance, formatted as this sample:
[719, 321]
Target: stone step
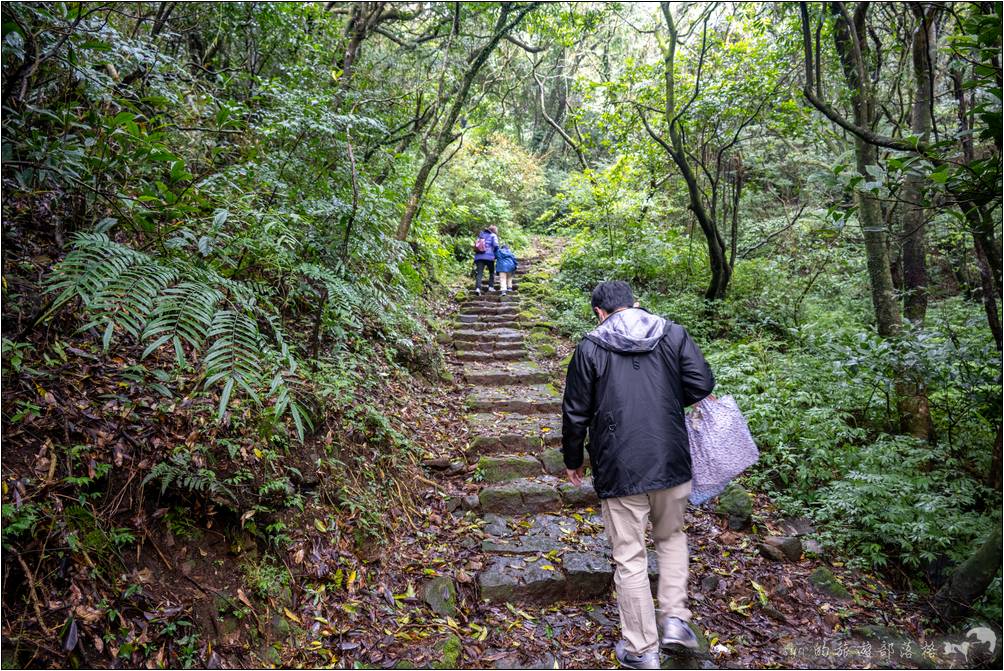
[487, 346]
[547, 557]
[502, 309]
[499, 373]
[494, 469]
[490, 308]
[546, 493]
[492, 299]
[474, 315]
[524, 399]
[487, 325]
[508, 433]
[496, 355]
[494, 296]
[491, 335]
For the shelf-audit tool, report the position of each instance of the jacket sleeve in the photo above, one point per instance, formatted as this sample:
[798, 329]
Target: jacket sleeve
[698, 380]
[576, 407]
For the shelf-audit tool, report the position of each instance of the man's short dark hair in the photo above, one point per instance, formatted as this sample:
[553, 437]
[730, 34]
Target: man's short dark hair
[608, 296]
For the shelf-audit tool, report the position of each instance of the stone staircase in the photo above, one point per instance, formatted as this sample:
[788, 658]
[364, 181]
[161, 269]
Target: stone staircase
[543, 538]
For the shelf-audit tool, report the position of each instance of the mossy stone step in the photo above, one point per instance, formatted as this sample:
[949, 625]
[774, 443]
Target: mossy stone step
[502, 432]
[490, 335]
[491, 308]
[487, 346]
[501, 304]
[525, 399]
[508, 467]
[496, 355]
[478, 323]
[546, 557]
[530, 495]
[521, 496]
[505, 372]
[465, 317]
[490, 296]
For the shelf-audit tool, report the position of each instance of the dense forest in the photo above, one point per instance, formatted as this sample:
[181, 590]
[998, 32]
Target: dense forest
[235, 236]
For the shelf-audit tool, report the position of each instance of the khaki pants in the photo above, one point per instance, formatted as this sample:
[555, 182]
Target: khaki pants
[505, 281]
[625, 519]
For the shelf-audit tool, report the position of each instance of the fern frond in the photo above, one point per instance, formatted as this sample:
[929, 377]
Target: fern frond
[234, 356]
[127, 300]
[183, 312]
[90, 267]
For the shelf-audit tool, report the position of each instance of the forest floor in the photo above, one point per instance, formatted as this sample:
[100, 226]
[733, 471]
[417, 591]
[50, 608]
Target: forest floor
[412, 600]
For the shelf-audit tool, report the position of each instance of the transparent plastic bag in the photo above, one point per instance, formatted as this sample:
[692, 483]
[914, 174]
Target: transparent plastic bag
[721, 446]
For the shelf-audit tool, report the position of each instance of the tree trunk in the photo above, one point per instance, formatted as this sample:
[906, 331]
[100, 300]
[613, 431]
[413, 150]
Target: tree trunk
[914, 217]
[721, 271]
[850, 40]
[873, 227]
[416, 195]
[969, 581]
[989, 295]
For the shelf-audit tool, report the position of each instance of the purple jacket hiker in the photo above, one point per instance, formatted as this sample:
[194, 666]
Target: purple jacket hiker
[492, 246]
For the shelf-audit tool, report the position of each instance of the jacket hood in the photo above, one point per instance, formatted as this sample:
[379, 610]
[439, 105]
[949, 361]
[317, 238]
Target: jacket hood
[629, 331]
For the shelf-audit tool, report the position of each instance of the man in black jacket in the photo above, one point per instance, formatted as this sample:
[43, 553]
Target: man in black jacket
[627, 385]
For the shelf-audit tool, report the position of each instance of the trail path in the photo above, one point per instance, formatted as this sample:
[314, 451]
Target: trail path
[759, 589]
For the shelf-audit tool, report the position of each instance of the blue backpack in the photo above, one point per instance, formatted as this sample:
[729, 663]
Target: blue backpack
[505, 261]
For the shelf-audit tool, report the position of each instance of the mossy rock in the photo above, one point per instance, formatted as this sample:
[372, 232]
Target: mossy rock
[449, 649]
[280, 626]
[546, 350]
[553, 460]
[441, 595]
[270, 654]
[538, 336]
[737, 504]
[824, 581]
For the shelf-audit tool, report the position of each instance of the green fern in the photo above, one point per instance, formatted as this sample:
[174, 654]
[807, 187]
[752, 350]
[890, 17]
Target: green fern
[179, 472]
[159, 302]
[182, 313]
[233, 358]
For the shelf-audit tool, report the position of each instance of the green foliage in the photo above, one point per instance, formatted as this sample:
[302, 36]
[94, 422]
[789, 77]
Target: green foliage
[182, 472]
[904, 501]
[267, 577]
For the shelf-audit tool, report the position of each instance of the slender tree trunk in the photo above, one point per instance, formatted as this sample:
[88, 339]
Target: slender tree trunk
[417, 189]
[989, 296]
[737, 192]
[914, 228]
[850, 40]
[852, 50]
[721, 271]
[873, 226]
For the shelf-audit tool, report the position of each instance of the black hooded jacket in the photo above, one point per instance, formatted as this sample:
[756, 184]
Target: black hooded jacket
[628, 383]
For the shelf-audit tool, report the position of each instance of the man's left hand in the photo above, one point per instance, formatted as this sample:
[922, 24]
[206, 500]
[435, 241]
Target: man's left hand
[575, 475]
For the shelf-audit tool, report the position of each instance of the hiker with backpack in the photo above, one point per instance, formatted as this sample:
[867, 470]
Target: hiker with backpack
[485, 246]
[505, 266]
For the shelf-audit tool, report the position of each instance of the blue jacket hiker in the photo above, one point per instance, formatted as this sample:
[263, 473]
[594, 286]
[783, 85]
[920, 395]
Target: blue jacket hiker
[505, 266]
[485, 247]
